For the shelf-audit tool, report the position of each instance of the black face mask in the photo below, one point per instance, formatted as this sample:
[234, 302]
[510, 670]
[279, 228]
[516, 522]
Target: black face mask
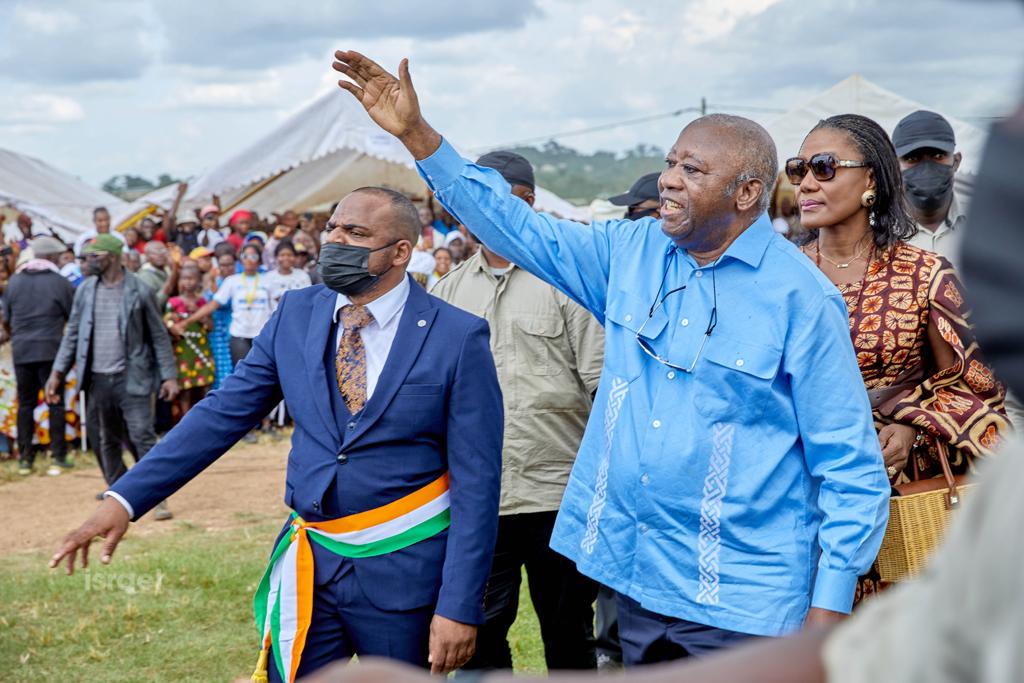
[929, 185]
[345, 268]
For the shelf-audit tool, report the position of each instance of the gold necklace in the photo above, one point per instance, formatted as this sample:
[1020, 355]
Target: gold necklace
[840, 266]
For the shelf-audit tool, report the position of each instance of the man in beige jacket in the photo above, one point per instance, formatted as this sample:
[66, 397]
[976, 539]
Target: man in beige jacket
[548, 351]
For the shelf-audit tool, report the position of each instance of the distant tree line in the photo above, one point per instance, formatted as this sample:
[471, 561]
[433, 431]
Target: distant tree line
[581, 178]
[129, 187]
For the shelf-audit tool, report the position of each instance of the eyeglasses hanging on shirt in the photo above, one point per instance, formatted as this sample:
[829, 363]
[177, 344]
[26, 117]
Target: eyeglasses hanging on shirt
[659, 301]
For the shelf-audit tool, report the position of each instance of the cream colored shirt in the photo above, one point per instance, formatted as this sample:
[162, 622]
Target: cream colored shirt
[963, 620]
[549, 352]
[945, 241]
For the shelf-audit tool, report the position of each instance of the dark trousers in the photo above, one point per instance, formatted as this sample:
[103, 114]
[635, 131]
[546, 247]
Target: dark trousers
[124, 419]
[648, 637]
[606, 625]
[344, 623]
[31, 378]
[239, 347]
[562, 597]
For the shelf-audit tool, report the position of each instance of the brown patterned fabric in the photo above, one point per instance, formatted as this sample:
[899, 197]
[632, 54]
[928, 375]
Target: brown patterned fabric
[350, 363]
[906, 289]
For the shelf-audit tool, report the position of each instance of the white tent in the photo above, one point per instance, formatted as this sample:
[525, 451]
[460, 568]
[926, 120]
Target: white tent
[317, 156]
[54, 199]
[857, 95]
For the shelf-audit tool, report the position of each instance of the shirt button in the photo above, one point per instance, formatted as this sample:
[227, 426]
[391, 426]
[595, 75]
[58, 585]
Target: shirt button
[699, 273]
[644, 479]
[739, 362]
[656, 424]
[342, 458]
[643, 528]
[628, 318]
[352, 425]
[671, 374]
[684, 322]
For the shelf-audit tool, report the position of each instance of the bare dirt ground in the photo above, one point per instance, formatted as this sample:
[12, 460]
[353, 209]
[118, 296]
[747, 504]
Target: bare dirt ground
[244, 486]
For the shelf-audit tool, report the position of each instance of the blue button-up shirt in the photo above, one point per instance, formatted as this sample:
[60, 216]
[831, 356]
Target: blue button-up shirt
[735, 496]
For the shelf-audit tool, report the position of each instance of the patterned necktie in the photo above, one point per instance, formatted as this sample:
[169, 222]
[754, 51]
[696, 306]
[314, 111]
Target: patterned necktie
[350, 363]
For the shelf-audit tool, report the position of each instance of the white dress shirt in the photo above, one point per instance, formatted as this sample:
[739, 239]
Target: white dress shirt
[379, 334]
[377, 337]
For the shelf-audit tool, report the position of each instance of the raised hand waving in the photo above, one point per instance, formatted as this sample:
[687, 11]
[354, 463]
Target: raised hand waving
[391, 102]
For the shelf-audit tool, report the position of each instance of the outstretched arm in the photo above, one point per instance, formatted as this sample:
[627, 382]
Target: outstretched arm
[573, 257]
[202, 436]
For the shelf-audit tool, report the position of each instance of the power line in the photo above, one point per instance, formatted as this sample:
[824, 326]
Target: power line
[702, 109]
[591, 129]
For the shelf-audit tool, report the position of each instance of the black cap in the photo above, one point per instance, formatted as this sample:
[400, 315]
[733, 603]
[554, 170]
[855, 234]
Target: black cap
[515, 169]
[642, 190]
[923, 129]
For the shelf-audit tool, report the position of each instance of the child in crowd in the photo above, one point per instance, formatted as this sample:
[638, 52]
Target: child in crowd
[220, 338]
[196, 370]
[249, 295]
[286, 276]
[442, 264]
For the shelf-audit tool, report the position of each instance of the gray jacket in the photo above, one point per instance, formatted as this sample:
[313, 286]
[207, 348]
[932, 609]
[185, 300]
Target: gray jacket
[148, 354]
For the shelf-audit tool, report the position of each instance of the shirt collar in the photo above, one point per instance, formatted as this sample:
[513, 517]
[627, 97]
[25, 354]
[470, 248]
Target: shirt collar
[751, 244]
[383, 308]
[955, 216]
[477, 262]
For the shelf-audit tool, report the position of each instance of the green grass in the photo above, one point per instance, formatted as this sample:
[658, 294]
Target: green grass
[171, 607]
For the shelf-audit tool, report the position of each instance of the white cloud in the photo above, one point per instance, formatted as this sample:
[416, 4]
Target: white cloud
[46, 22]
[709, 19]
[239, 95]
[42, 109]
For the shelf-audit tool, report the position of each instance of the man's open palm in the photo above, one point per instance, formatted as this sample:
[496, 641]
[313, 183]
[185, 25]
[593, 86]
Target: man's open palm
[390, 102]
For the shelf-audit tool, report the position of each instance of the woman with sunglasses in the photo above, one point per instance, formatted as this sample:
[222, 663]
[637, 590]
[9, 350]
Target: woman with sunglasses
[924, 373]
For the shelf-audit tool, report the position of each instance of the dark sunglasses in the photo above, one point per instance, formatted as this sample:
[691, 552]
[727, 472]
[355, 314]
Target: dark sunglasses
[822, 166]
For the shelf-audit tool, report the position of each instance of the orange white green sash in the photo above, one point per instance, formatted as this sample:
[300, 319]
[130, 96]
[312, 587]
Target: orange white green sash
[284, 599]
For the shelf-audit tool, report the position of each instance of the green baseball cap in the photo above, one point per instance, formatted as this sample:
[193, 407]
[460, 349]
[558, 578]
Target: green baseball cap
[105, 242]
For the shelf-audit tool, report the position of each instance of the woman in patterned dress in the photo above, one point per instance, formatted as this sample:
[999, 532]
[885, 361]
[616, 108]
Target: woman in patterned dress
[923, 370]
[196, 369]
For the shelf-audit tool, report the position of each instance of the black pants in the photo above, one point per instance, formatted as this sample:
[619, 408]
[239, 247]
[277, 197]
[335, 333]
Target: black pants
[609, 649]
[239, 347]
[31, 378]
[562, 597]
[124, 419]
[649, 638]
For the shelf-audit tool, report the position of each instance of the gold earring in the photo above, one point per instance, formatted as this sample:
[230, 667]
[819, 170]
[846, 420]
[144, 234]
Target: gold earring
[867, 199]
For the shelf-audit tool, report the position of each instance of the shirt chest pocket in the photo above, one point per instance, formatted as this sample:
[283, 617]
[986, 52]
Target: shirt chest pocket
[627, 316]
[733, 380]
[535, 340]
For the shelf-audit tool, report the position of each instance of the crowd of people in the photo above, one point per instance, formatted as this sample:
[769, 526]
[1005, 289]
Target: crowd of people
[706, 463]
[215, 288]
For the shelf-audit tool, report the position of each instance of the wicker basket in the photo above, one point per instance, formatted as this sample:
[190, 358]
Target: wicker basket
[919, 513]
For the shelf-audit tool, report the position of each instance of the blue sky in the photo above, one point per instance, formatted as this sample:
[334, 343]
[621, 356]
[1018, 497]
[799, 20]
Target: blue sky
[99, 87]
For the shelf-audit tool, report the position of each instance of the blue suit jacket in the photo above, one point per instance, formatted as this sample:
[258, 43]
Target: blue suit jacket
[436, 407]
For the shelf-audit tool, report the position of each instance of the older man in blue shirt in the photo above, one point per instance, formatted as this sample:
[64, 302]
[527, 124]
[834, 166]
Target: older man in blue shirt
[730, 481]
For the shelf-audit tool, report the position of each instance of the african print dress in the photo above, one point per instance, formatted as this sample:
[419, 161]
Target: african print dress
[904, 290]
[192, 350]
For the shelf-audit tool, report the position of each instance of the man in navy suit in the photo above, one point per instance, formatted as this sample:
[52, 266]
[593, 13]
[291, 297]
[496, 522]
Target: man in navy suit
[395, 465]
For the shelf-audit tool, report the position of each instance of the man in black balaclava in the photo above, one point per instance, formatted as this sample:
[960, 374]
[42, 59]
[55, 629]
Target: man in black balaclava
[926, 146]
